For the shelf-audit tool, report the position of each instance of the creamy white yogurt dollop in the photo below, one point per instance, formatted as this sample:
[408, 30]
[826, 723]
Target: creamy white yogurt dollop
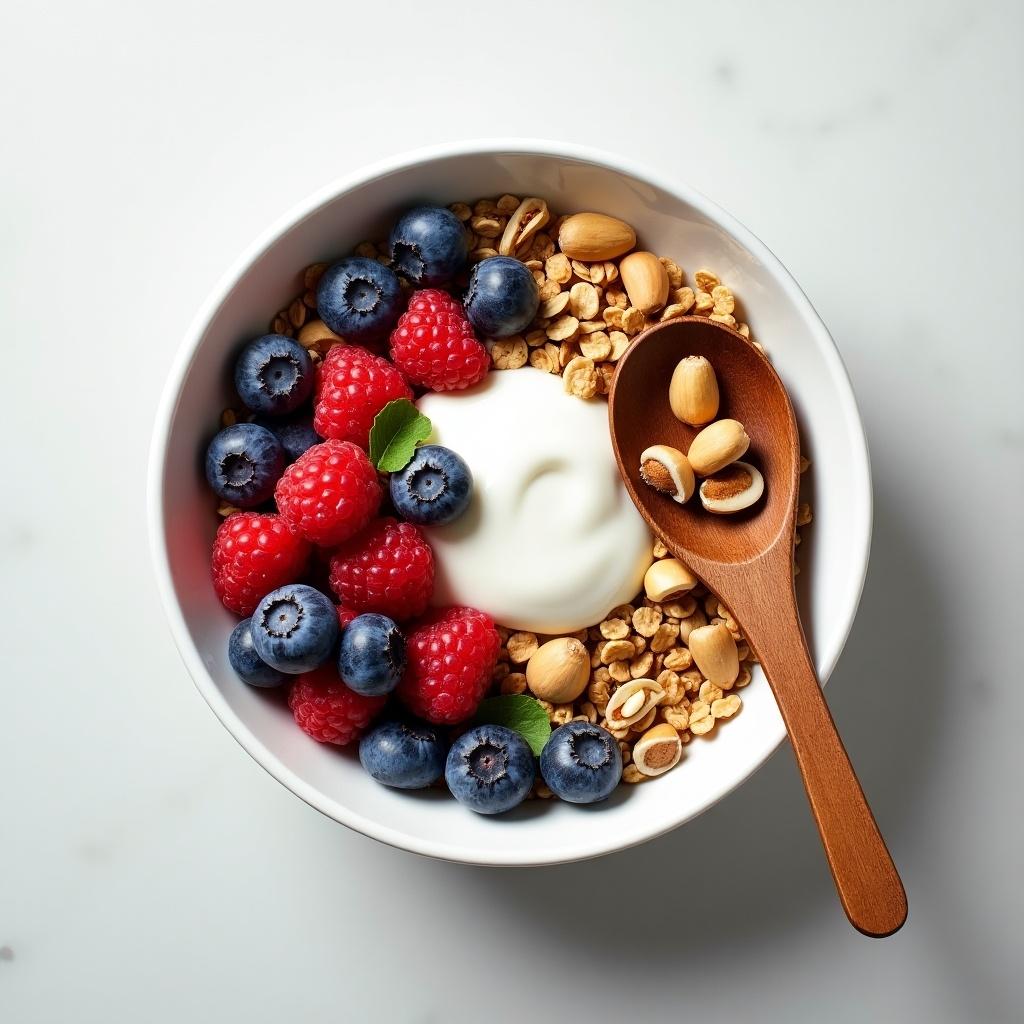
[550, 542]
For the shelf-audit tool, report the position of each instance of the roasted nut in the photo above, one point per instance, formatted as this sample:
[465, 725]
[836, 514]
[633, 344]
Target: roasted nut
[693, 391]
[658, 750]
[726, 707]
[583, 301]
[514, 682]
[616, 650]
[645, 279]
[509, 353]
[678, 659]
[315, 331]
[521, 647]
[559, 671]
[579, 377]
[714, 650]
[706, 279]
[667, 578]
[530, 216]
[667, 470]
[595, 236]
[732, 489]
[632, 701]
[647, 620]
[716, 446]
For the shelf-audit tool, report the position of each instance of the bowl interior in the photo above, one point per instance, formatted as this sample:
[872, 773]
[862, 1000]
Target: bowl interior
[670, 221]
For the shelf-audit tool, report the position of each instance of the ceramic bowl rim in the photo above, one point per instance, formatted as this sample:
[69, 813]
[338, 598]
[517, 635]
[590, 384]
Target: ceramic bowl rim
[859, 472]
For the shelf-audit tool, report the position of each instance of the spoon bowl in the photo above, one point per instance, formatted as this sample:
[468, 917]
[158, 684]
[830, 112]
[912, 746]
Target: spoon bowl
[752, 393]
[747, 560]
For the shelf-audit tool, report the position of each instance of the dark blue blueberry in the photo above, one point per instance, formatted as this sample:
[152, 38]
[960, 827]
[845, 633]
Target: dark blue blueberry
[295, 433]
[251, 668]
[490, 769]
[502, 297]
[371, 655]
[295, 629]
[243, 463]
[405, 755]
[359, 299]
[274, 375]
[429, 246]
[434, 489]
[581, 763]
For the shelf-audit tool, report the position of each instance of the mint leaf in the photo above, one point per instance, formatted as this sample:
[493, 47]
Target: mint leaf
[396, 431]
[520, 713]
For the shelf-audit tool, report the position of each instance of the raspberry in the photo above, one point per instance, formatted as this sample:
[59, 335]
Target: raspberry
[329, 493]
[434, 344]
[253, 554]
[452, 654]
[326, 709]
[345, 615]
[388, 568]
[352, 386]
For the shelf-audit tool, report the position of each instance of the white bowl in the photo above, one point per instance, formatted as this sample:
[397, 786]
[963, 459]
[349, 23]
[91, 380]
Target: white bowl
[670, 219]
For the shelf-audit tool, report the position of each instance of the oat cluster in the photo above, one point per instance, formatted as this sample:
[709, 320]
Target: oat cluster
[585, 322]
[583, 326]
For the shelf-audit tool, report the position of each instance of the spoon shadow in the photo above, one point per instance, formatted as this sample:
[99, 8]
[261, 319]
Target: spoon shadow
[759, 850]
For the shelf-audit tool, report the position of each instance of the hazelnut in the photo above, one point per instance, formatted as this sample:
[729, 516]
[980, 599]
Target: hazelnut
[693, 391]
[559, 670]
[718, 445]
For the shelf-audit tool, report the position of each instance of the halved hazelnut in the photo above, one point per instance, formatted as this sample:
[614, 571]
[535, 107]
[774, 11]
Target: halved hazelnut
[668, 578]
[658, 750]
[667, 470]
[732, 489]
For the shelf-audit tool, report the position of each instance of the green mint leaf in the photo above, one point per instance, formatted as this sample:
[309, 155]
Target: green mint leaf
[396, 431]
[520, 713]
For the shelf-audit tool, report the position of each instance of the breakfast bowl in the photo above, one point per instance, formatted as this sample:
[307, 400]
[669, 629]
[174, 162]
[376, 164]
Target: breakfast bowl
[670, 219]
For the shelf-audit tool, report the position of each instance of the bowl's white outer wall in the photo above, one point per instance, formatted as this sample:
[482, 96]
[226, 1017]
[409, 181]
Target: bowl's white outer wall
[669, 218]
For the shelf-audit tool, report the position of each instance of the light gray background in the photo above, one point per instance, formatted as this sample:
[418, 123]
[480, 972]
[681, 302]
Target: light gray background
[148, 869]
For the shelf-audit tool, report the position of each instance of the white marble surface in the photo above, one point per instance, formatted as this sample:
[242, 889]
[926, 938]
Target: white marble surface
[150, 870]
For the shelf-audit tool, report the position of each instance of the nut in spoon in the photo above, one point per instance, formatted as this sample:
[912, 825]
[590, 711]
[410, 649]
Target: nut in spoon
[747, 560]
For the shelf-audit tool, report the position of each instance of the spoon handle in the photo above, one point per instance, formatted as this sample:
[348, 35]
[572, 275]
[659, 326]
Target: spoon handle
[866, 879]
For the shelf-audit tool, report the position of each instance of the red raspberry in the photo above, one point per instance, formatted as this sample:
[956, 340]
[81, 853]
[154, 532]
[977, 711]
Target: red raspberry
[326, 709]
[345, 615]
[329, 493]
[388, 568]
[352, 386]
[452, 654]
[434, 344]
[253, 554]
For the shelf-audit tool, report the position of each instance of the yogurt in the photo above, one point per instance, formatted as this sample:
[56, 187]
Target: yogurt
[550, 542]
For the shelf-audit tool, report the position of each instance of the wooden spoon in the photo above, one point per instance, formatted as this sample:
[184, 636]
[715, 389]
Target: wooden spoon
[747, 560]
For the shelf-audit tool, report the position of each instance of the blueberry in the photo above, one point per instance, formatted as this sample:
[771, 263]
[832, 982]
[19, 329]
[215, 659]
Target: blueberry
[243, 463]
[359, 299]
[371, 655]
[502, 297]
[434, 488]
[295, 629]
[251, 668]
[581, 763]
[405, 755]
[295, 432]
[429, 246]
[274, 375]
[490, 769]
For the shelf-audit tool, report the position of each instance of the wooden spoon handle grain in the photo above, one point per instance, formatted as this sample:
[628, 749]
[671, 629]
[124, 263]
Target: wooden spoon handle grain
[866, 879]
